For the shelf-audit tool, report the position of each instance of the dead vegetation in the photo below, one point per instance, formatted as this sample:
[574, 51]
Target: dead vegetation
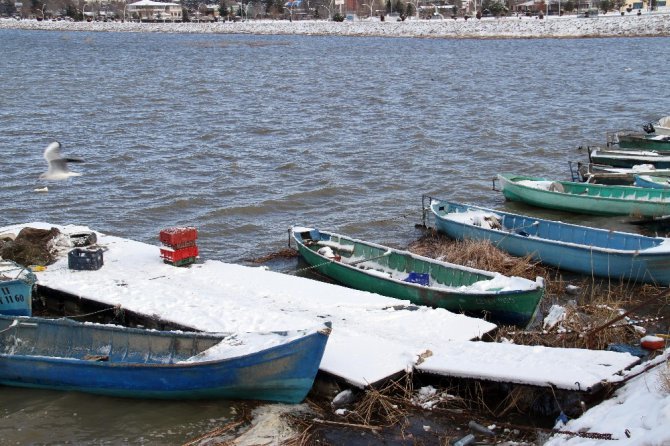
[287, 253]
[664, 378]
[482, 255]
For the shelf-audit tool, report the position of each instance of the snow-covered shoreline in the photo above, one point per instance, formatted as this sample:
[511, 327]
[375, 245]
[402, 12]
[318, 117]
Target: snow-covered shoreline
[629, 25]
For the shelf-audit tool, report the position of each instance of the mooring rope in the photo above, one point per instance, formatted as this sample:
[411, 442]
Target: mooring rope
[117, 309]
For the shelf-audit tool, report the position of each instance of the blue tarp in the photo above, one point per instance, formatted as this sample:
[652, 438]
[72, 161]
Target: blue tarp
[293, 4]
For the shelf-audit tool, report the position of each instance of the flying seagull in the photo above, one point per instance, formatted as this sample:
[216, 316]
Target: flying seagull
[57, 164]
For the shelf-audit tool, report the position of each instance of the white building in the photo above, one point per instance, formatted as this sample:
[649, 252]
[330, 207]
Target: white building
[151, 11]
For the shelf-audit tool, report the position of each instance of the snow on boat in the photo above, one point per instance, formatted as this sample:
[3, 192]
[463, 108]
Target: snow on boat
[16, 287]
[582, 249]
[584, 198]
[421, 280]
[129, 362]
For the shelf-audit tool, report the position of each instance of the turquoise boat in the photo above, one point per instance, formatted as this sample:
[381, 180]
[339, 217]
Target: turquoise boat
[582, 249]
[585, 198]
[16, 287]
[129, 362]
[652, 181]
[423, 281]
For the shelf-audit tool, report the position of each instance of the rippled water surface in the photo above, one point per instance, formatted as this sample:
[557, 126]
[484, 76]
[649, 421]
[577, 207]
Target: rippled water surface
[243, 136]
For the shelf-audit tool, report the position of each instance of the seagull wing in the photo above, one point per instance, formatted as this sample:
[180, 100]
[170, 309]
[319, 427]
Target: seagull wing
[58, 169]
[57, 166]
[52, 152]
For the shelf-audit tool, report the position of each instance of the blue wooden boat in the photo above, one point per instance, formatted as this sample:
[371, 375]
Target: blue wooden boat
[652, 181]
[128, 362]
[16, 287]
[582, 249]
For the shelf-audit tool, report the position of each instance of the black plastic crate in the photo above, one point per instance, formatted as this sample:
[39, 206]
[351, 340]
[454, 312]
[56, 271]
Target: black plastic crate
[84, 259]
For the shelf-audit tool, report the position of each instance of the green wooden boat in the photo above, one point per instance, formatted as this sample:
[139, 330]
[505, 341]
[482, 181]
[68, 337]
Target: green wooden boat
[595, 199]
[421, 280]
[630, 139]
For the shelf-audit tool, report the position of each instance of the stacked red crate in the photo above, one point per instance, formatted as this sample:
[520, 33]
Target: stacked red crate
[179, 246]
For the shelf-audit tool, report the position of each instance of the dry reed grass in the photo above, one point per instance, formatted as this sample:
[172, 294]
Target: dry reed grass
[229, 429]
[664, 378]
[287, 253]
[481, 254]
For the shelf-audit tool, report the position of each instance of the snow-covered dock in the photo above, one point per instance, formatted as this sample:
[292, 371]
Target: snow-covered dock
[373, 337]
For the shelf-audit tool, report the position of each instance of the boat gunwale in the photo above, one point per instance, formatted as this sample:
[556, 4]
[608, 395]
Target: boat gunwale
[319, 330]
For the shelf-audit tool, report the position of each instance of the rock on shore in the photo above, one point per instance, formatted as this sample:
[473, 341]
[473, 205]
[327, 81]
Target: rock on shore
[629, 25]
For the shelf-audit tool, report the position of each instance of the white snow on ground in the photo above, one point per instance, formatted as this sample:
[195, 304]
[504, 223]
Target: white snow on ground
[609, 25]
[637, 415]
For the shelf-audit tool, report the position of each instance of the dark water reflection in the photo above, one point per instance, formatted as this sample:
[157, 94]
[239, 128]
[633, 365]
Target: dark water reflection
[48, 417]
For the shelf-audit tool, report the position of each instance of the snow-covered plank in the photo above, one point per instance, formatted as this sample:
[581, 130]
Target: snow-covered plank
[563, 368]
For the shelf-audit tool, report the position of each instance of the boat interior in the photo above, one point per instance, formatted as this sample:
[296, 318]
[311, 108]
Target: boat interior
[64, 338]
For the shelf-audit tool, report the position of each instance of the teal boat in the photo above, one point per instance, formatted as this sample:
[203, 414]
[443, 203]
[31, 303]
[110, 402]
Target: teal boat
[630, 139]
[421, 280]
[585, 198]
[16, 287]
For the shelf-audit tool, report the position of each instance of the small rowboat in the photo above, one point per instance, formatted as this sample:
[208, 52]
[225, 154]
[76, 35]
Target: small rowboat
[652, 181]
[631, 139]
[624, 176]
[129, 362]
[582, 249]
[421, 280]
[629, 158]
[16, 287]
[660, 127]
[584, 198]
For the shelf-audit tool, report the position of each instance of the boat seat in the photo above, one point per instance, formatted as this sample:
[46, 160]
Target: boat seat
[555, 186]
[96, 358]
[335, 245]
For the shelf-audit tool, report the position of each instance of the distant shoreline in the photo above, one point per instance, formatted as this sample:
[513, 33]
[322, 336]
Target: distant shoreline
[629, 25]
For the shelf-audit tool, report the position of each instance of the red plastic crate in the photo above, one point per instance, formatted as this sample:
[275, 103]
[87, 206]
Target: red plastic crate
[178, 237]
[176, 255]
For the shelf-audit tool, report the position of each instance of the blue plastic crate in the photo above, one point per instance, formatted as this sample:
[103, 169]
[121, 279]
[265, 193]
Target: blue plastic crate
[420, 278]
[85, 259]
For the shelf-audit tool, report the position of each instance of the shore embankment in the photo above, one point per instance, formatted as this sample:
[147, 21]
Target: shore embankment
[614, 25]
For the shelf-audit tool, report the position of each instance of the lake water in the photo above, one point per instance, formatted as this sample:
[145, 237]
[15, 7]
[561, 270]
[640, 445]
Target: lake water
[244, 136]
